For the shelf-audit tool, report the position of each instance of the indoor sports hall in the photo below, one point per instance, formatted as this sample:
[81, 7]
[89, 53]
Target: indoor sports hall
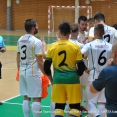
[48, 14]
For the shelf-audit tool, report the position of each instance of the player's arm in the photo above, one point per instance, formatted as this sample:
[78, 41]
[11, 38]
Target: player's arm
[80, 63]
[84, 51]
[91, 34]
[40, 63]
[3, 49]
[47, 68]
[18, 61]
[81, 67]
[44, 47]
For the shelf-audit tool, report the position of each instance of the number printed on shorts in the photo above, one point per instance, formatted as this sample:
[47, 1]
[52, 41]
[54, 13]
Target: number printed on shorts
[101, 57]
[24, 47]
[107, 37]
[63, 61]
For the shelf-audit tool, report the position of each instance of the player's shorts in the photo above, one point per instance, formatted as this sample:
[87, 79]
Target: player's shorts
[63, 92]
[94, 97]
[31, 86]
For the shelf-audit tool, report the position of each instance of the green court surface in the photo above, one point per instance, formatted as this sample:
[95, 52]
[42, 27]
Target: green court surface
[11, 40]
[13, 107]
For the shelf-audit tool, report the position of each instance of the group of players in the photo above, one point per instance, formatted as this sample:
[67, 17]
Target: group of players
[77, 59]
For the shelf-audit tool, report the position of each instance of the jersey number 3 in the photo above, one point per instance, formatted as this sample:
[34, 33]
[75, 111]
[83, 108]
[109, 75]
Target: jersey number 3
[63, 61]
[102, 58]
[24, 47]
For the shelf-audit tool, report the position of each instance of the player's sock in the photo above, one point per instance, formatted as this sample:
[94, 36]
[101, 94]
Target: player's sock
[92, 110]
[101, 108]
[67, 110]
[26, 108]
[36, 109]
[59, 113]
[0, 70]
[74, 113]
[52, 106]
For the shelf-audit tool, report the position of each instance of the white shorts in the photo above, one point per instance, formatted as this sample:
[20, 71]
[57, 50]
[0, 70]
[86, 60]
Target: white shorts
[94, 97]
[30, 86]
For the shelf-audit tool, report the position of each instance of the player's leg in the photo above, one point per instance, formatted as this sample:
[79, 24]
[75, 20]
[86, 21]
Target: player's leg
[83, 82]
[23, 91]
[59, 97]
[91, 101]
[26, 106]
[0, 70]
[52, 107]
[74, 99]
[101, 103]
[34, 87]
[0, 77]
[67, 108]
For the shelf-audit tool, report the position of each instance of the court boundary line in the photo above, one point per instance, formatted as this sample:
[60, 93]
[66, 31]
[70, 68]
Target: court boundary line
[5, 101]
[21, 104]
[10, 98]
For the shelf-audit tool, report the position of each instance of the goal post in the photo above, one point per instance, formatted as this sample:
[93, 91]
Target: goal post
[57, 14]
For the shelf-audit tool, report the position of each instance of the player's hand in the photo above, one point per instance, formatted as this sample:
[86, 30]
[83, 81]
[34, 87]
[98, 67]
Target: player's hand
[43, 41]
[57, 38]
[2, 50]
[109, 62]
[17, 75]
[80, 41]
[88, 70]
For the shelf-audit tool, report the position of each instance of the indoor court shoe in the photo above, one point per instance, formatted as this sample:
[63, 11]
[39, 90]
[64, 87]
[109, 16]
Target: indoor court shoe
[1, 103]
[83, 109]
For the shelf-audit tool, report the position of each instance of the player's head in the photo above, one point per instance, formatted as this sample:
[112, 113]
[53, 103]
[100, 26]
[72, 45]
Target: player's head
[64, 28]
[114, 51]
[99, 17]
[74, 30]
[82, 23]
[99, 30]
[115, 26]
[31, 26]
[90, 22]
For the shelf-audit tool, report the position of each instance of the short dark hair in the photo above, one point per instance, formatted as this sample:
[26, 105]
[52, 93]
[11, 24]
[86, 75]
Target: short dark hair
[74, 28]
[90, 20]
[64, 28]
[115, 26]
[82, 18]
[99, 17]
[100, 29]
[29, 23]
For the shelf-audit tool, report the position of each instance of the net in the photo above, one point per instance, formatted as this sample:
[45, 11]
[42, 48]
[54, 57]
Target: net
[57, 14]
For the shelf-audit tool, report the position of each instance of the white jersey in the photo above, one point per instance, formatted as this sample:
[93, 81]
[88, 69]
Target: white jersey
[109, 36]
[98, 52]
[29, 47]
[82, 36]
[76, 42]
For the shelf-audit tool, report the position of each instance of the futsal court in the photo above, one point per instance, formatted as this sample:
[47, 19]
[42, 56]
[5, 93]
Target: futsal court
[9, 87]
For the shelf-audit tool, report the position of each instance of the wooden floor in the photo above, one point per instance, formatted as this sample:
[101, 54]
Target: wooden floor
[9, 87]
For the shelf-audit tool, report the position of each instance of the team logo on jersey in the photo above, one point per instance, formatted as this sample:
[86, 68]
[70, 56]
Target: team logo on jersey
[101, 46]
[107, 31]
[25, 41]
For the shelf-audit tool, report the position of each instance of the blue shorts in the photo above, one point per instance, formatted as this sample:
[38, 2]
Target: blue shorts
[111, 111]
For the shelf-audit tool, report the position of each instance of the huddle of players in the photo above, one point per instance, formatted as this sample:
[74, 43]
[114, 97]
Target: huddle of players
[95, 47]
